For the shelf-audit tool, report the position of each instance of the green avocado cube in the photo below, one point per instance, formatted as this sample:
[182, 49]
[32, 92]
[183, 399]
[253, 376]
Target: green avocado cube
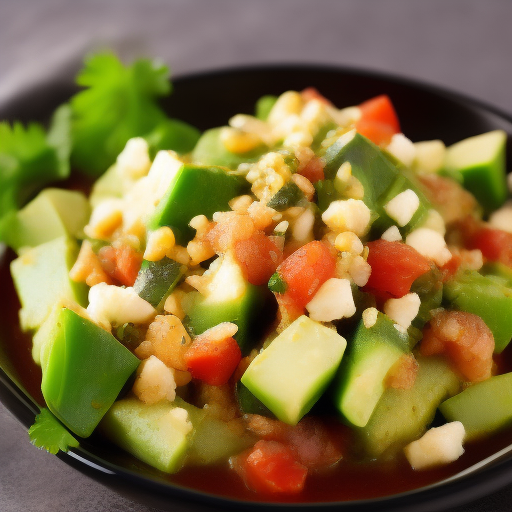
[486, 297]
[41, 278]
[84, 369]
[159, 434]
[291, 374]
[210, 150]
[361, 377]
[482, 408]
[481, 161]
[401, 416]
[195, 190]
[229, 298]
[52, 214]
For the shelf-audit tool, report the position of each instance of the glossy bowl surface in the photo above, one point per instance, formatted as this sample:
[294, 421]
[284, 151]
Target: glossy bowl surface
[206, 100]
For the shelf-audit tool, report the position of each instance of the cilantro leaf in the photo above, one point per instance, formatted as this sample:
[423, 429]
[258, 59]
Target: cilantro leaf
[49, 434]
[120, 102]
[277, 284]
[29, 160]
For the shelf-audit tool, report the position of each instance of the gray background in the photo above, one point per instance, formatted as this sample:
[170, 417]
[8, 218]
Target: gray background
[463, 45]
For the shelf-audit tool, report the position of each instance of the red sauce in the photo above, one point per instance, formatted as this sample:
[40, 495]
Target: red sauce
[346, 481]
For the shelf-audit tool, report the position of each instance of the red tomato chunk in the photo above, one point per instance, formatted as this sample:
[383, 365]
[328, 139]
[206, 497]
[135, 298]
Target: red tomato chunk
[379, 121]
[258, 257]
[121, 263]
[271, 467]
[213, 361]
[465, 339]
[395, 266]
[305, 270]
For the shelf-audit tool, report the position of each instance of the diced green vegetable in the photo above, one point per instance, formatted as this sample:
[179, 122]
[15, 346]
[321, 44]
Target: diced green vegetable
[290, 375]
[52, 214]
[429, 288]
[287, 196]
[481, 295]
[482, 408]
[157, 279]
[249, 404]
[159, 434]
[402, 416]
[195, 191]
[372, 351]
[264, 106]
[174, 135]
[84, 369]
[481, 161]
[41, 278]
[230, 298]
[210, 150]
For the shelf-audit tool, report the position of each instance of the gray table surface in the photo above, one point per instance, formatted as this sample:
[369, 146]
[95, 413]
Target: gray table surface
[463, 45]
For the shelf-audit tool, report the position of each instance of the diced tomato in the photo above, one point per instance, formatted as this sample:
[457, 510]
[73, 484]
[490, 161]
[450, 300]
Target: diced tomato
[258, 256]
[395, 266]
[495, 244]
[313, 170]
[311, 93]
[465, 339]
[271, 467]
[379, 121]
[213, 360]
[121, 263]
[305, 270]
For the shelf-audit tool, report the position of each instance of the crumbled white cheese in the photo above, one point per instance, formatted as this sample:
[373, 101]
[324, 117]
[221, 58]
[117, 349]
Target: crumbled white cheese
[430, 244]
[350, 242]
[430, 155]
[176, 420]
[106, 217]
[403, 310]
[346, 116]
[154, 382]
[332, 301]
[370, 316]
[435, 221]
[348, 215]
[359, 270]
[146, 193]
[109, 304]
[392, 234]
[502, 218]
[302, 229]
[402, 149]
[134, 162]
[403, 206]
[438, 446]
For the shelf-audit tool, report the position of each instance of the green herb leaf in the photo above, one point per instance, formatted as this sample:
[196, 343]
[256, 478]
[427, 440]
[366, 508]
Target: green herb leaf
[29, 160]
[120, 102]
[277, 284]
[49, 434]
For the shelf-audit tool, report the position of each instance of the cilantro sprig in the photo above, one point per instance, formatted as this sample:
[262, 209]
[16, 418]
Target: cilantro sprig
[117, 102]
[47, 433]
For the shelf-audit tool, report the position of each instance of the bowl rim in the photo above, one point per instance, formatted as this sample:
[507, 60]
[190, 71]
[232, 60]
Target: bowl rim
[461, 487]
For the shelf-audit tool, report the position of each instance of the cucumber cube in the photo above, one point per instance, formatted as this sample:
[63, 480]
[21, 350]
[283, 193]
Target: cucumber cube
[481, 161]
[52, 214]
[84, 369]
[361, 377]
[41, 278]
[482, 408]
[289, 376]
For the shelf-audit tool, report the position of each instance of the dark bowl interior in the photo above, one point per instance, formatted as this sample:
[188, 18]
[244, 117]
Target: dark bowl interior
[207, 100]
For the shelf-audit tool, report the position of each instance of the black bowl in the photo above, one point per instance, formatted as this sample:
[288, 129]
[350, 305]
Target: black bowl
[207, 100]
